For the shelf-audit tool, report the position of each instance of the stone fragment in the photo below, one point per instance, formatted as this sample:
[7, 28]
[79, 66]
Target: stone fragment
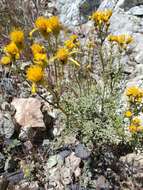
[82, 152]
[28, 113]
[6, 125]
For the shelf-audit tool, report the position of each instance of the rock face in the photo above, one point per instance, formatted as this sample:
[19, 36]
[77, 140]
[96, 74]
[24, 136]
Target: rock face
[127, 18]
[74, 12]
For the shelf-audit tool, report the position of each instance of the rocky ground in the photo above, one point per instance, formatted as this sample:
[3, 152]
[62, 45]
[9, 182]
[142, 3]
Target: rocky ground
[31, 157]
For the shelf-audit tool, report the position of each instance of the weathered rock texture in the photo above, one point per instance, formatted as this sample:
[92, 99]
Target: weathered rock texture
[127, 18]
[28, 113]
[74, 12]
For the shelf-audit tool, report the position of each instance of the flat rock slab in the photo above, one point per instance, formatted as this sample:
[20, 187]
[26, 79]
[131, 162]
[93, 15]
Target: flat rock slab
[28, 112]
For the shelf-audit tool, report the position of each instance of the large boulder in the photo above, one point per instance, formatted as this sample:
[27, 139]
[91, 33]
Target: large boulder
[127, 18]
[73, 13]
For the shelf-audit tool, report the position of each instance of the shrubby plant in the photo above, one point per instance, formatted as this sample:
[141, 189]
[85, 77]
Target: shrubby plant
[85, 91]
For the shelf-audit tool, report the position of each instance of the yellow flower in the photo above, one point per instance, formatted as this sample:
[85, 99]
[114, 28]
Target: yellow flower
[134, 93]
[133, 129]
[55, 25]
[140, 129]
[62, 54]
[100, 17]
[122, 39]
[37, 48]
[136, 121]
[47, 25]
[73, 42]
[73, 37]
[17, 36]
[5, 60]
[12, 50]
[35, 73]
[128, 114]
[112, 38]
[69, 44]
[43, 25]
[40, 58]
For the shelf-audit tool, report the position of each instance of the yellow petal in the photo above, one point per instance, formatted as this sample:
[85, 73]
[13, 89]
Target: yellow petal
[31, 32]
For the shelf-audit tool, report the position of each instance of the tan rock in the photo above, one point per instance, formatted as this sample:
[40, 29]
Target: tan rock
[28, 113]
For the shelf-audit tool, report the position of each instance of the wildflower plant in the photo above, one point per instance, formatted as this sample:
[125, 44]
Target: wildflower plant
[87, 91]
[134, 113]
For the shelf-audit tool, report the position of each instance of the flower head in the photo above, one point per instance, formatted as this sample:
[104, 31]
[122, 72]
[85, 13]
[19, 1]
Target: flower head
[48, 25]
[55, 25]
[40, 58]
[42, 24]
[37, 48]
[69, 44]
[5, 60]
[128, 114]
[12, 50]
[73, 42]
[100, 17]
[134, 92]
[133, 129]
[17, 36]
[136, 121]
[74, 37]
[122, 39]
[62, 54]
[35, 73]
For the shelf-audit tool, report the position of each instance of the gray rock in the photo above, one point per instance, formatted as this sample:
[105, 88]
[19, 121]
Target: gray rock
[8, 87]
[136, 11]
[64, 154]
[108, 4]
[122, 22]
[101, 183]
[52, 161]
[77, 187]
[2, 160]
[73, 13]
[46, 142]
[6, 125]
[82, 152]
[127, 4]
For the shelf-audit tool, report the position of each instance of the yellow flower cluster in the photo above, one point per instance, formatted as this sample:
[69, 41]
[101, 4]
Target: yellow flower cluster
[47, 26]
[135, 97]
[101, 17]
[136, 125]
[135, 94]
[39, 54]
[72, 43]
[12, 50]
[122, 39]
